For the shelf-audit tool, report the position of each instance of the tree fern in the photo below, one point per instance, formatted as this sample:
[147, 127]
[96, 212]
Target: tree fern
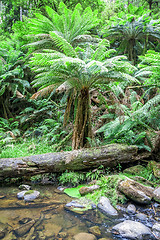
[63, 45]
[67, 23]
[80, 75]
[134, 36]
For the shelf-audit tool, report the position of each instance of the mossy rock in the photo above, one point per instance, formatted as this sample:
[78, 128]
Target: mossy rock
[29, 192]
[95, 230]
[136, 191]
[155, 167]
[135, 170]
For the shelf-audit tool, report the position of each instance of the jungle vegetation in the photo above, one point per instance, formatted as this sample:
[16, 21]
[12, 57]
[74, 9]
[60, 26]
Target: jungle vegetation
[77, 74]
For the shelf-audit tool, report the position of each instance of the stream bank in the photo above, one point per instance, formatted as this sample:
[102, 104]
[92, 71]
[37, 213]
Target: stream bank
[97, 214]
[47, 218]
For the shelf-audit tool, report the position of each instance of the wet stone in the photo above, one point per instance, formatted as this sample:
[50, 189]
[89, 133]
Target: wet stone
[84, 236]
[95, 230]
[24, 187]
[28, 195]
[156, 227]
[156, 230]
[2, 196]
[31, 196]
[131, 209]
[135, 170]
[24, 220]
[2, 234]
[63, 235]
[74, 204]
[41, 235]
[52, 229]
[136, 191]
[141, 216]
[20, 195]
[105, 239]
[85, 190]
[132, 230]
[106, 207]
[156, 194]
[155, 166]
[60, 188]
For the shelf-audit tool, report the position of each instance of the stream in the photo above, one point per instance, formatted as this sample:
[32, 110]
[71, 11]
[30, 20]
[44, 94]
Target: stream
[46, 217]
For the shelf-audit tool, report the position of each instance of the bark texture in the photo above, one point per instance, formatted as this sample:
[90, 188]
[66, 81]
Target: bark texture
[108, 156]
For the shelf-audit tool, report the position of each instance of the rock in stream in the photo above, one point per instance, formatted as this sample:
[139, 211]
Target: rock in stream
[132, 230]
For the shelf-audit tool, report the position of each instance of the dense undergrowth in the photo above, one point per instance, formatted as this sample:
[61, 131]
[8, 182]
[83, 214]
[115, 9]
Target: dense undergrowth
[90, 77]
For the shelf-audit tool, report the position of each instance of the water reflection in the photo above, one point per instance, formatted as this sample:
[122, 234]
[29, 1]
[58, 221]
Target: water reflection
[45, 218]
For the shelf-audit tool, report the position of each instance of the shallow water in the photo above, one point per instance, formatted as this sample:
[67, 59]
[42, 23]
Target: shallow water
[50, 219]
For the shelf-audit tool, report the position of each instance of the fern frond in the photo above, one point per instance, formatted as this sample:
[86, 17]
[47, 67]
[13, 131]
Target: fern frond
[100, 52]
[63, 44]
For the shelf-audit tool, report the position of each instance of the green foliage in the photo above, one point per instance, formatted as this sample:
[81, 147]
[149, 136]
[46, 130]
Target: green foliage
[43, 120]
[10, 14]
[94, 175]
[29, 192]
[37, 112]
[8, 125]
[133, 36]
[73, 178]
[109, 188]
[24, 148]
[144, 175]
[151, 62]
[81, 61]
[9, 130]
[133, 125]
[73, 192]
[52, 67]
[11, 70]
[66, 24]
[147, 174]
[36, 178]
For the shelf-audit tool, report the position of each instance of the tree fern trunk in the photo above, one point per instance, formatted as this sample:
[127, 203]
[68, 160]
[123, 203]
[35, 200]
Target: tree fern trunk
[82, 126]
[145, 45]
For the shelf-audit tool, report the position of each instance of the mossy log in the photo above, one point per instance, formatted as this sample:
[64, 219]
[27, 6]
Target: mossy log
[89, 158]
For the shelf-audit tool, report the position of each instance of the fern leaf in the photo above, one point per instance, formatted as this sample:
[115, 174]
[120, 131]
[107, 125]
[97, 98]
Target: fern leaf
[63, 44]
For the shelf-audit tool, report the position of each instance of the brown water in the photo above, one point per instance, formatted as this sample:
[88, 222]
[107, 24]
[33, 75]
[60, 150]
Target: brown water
[46, 217]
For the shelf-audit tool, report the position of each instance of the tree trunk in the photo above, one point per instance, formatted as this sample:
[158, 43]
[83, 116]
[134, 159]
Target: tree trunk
[89, 158]
[82, 127]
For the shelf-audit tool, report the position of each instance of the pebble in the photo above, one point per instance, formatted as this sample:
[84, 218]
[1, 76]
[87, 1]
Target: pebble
[141, 216]
[131, 209]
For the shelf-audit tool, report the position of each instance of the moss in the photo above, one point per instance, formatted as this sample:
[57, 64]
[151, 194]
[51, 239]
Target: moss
[108, 188]
[31, 164]
[29, 192]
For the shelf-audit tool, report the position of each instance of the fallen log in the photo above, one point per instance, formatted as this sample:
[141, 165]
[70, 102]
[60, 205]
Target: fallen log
[89, 158]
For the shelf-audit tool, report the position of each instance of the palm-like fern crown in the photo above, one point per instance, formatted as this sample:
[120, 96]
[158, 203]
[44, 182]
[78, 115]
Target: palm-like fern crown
[67, 23]
[80, 68]
[135, 30]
